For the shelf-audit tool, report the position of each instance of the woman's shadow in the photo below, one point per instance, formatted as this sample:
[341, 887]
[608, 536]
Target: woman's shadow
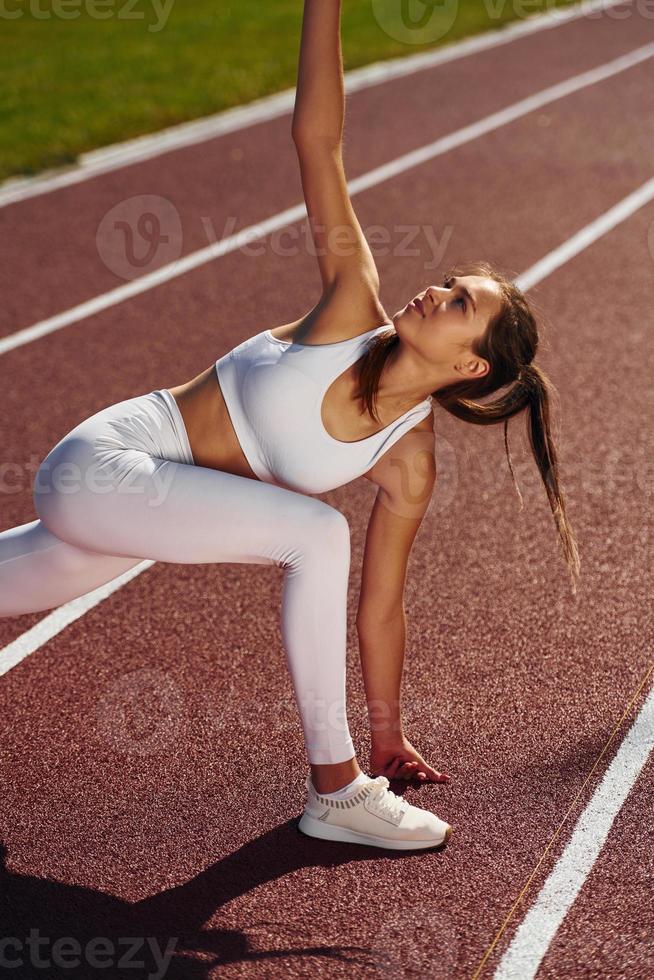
[163, 936]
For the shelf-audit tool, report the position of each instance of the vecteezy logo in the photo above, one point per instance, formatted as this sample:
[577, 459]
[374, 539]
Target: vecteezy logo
[415, 21]
[141, 713]
[138, 235]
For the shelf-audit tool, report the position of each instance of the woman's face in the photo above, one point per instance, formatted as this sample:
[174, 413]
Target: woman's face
[442, 326]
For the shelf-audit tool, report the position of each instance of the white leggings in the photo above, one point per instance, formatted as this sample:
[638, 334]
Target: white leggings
[122, 487]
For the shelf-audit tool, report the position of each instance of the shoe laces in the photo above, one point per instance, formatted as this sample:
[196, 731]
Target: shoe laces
[385, 799]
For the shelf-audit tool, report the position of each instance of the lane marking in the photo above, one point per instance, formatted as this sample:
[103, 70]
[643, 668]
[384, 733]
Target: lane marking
[54, 622]
[61, 617]
[355, 186]
[118, 155]
[586, 236]
[535, 933]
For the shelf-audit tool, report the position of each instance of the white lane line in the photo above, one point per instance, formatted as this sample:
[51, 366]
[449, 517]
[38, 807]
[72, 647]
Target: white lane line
[146, 147]
[59, 618]
[371, 179]
[535, 933]
[582, 239]
[55, 621]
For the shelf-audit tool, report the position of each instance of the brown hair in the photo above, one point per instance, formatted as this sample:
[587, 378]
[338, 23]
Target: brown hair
[509, 344]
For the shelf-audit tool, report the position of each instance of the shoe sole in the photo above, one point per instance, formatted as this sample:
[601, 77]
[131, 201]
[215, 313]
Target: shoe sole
[316, 828]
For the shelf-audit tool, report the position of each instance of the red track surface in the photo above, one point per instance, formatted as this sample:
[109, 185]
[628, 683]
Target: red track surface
[610, 930]
[184, 827]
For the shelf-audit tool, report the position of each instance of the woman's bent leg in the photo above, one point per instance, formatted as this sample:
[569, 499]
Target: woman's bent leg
[39, 571]
[136, 505]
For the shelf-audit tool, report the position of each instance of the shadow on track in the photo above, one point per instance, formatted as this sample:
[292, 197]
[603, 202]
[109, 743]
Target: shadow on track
[165, 932]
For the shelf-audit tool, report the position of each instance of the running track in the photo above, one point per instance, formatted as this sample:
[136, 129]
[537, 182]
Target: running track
[143, 742]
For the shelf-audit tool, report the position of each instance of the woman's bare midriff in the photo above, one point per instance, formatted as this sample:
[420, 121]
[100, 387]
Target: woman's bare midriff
[208, 425]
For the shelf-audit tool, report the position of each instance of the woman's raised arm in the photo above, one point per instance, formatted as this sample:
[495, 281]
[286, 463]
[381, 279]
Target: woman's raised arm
[320, 98]
[347, 268]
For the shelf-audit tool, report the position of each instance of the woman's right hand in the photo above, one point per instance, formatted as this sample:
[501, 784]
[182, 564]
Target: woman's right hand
[400, 760]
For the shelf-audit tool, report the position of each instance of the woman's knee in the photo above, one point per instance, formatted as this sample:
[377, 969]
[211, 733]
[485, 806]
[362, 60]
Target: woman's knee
[335, 531]
[322, 531]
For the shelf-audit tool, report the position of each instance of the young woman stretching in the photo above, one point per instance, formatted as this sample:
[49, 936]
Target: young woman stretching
[220, 469]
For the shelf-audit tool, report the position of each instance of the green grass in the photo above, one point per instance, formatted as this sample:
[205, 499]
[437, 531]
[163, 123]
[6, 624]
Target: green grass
[70, 85]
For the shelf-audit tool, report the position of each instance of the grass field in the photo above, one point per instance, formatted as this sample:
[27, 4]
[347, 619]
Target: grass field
[78, 74]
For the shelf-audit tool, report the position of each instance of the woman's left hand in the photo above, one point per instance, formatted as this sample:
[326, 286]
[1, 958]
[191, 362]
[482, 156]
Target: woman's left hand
[402, 761]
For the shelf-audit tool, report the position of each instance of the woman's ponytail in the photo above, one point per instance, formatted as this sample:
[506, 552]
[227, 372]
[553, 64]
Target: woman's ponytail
[538, 391]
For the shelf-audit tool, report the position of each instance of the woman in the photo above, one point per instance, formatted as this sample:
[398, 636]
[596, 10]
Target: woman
[221, 468]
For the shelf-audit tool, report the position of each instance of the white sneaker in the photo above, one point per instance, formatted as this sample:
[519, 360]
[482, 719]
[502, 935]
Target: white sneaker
[372, 815]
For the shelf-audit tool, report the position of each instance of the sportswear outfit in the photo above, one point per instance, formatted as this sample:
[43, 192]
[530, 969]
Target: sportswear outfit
[122, 487]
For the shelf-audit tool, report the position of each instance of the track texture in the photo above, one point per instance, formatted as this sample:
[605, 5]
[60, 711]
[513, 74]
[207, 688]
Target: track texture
[151, 759]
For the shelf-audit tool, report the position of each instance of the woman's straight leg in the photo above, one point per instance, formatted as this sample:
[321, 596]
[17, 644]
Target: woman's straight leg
[39, 571]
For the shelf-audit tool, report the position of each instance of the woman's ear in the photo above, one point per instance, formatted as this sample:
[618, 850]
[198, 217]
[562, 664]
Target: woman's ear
[473, 367]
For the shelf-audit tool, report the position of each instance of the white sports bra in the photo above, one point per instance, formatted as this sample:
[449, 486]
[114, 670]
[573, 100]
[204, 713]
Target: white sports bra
[274, 390]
